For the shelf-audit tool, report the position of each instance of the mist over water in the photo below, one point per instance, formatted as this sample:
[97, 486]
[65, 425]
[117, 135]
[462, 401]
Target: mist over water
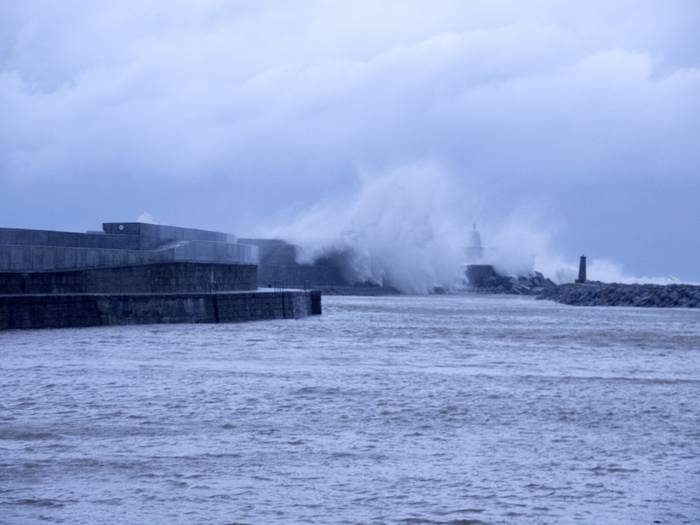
[402, 410]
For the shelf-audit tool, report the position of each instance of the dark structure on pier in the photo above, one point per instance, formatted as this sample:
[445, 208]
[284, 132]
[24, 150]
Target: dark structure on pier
[483, 277]
[279, 266]
[581, 270]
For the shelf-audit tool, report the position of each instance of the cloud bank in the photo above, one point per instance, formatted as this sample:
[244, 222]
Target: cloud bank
[244, 114]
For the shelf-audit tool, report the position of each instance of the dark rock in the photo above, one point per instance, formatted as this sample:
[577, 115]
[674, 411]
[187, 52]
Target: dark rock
[485, 279]
[615, 294]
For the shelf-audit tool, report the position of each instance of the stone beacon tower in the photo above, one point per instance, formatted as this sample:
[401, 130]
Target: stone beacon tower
[581, 270]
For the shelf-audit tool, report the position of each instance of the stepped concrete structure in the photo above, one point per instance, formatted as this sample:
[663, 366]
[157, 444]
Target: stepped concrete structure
[119, 244]
[278, 266]
[133, 272]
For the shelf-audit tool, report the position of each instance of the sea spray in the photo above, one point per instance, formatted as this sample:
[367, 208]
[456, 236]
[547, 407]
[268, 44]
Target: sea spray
[404, 227]
[408, 227]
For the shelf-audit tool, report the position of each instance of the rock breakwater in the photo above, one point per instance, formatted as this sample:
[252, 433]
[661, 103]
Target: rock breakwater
[616, 294]
[494, 283]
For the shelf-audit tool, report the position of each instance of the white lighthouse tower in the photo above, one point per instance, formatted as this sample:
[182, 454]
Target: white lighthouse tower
[475, 251]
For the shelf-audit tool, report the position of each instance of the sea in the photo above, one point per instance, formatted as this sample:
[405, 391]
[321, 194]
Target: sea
[399, 410]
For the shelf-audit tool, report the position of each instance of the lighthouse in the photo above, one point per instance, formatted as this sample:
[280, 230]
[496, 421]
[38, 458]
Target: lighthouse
[475, 251]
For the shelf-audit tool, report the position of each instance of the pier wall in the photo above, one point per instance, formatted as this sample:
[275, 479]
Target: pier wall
[120, 244]
[480, 274]
[79, 310]
[25, 257]
[150, 278]
[138, 273]
[278, 266]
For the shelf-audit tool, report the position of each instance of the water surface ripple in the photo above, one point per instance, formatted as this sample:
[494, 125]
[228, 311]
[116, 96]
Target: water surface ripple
[407, 410]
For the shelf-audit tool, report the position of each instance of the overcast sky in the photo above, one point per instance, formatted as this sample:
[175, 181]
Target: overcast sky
[243, 115]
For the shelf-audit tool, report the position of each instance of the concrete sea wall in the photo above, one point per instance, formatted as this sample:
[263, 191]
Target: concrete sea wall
[299, 276]
[133, 273]
[25, 237]
[25, 257]
[278, 266]
[150, 236]
[149, 278]
[120, 244]
[76, 310]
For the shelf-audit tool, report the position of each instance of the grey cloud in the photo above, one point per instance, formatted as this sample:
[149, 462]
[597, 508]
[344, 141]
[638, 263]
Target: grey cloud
[246, 113]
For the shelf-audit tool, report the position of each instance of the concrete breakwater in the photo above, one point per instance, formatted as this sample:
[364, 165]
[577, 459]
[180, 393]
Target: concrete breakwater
[176, 277]
[75, 310]
[136, 273]
[615, 294]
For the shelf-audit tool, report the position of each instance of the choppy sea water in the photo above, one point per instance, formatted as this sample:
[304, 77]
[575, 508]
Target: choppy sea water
[403, 410]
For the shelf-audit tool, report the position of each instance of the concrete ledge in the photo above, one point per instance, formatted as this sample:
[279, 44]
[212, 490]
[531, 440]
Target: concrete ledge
[178, 277]
[34, 258]
[76, 310]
